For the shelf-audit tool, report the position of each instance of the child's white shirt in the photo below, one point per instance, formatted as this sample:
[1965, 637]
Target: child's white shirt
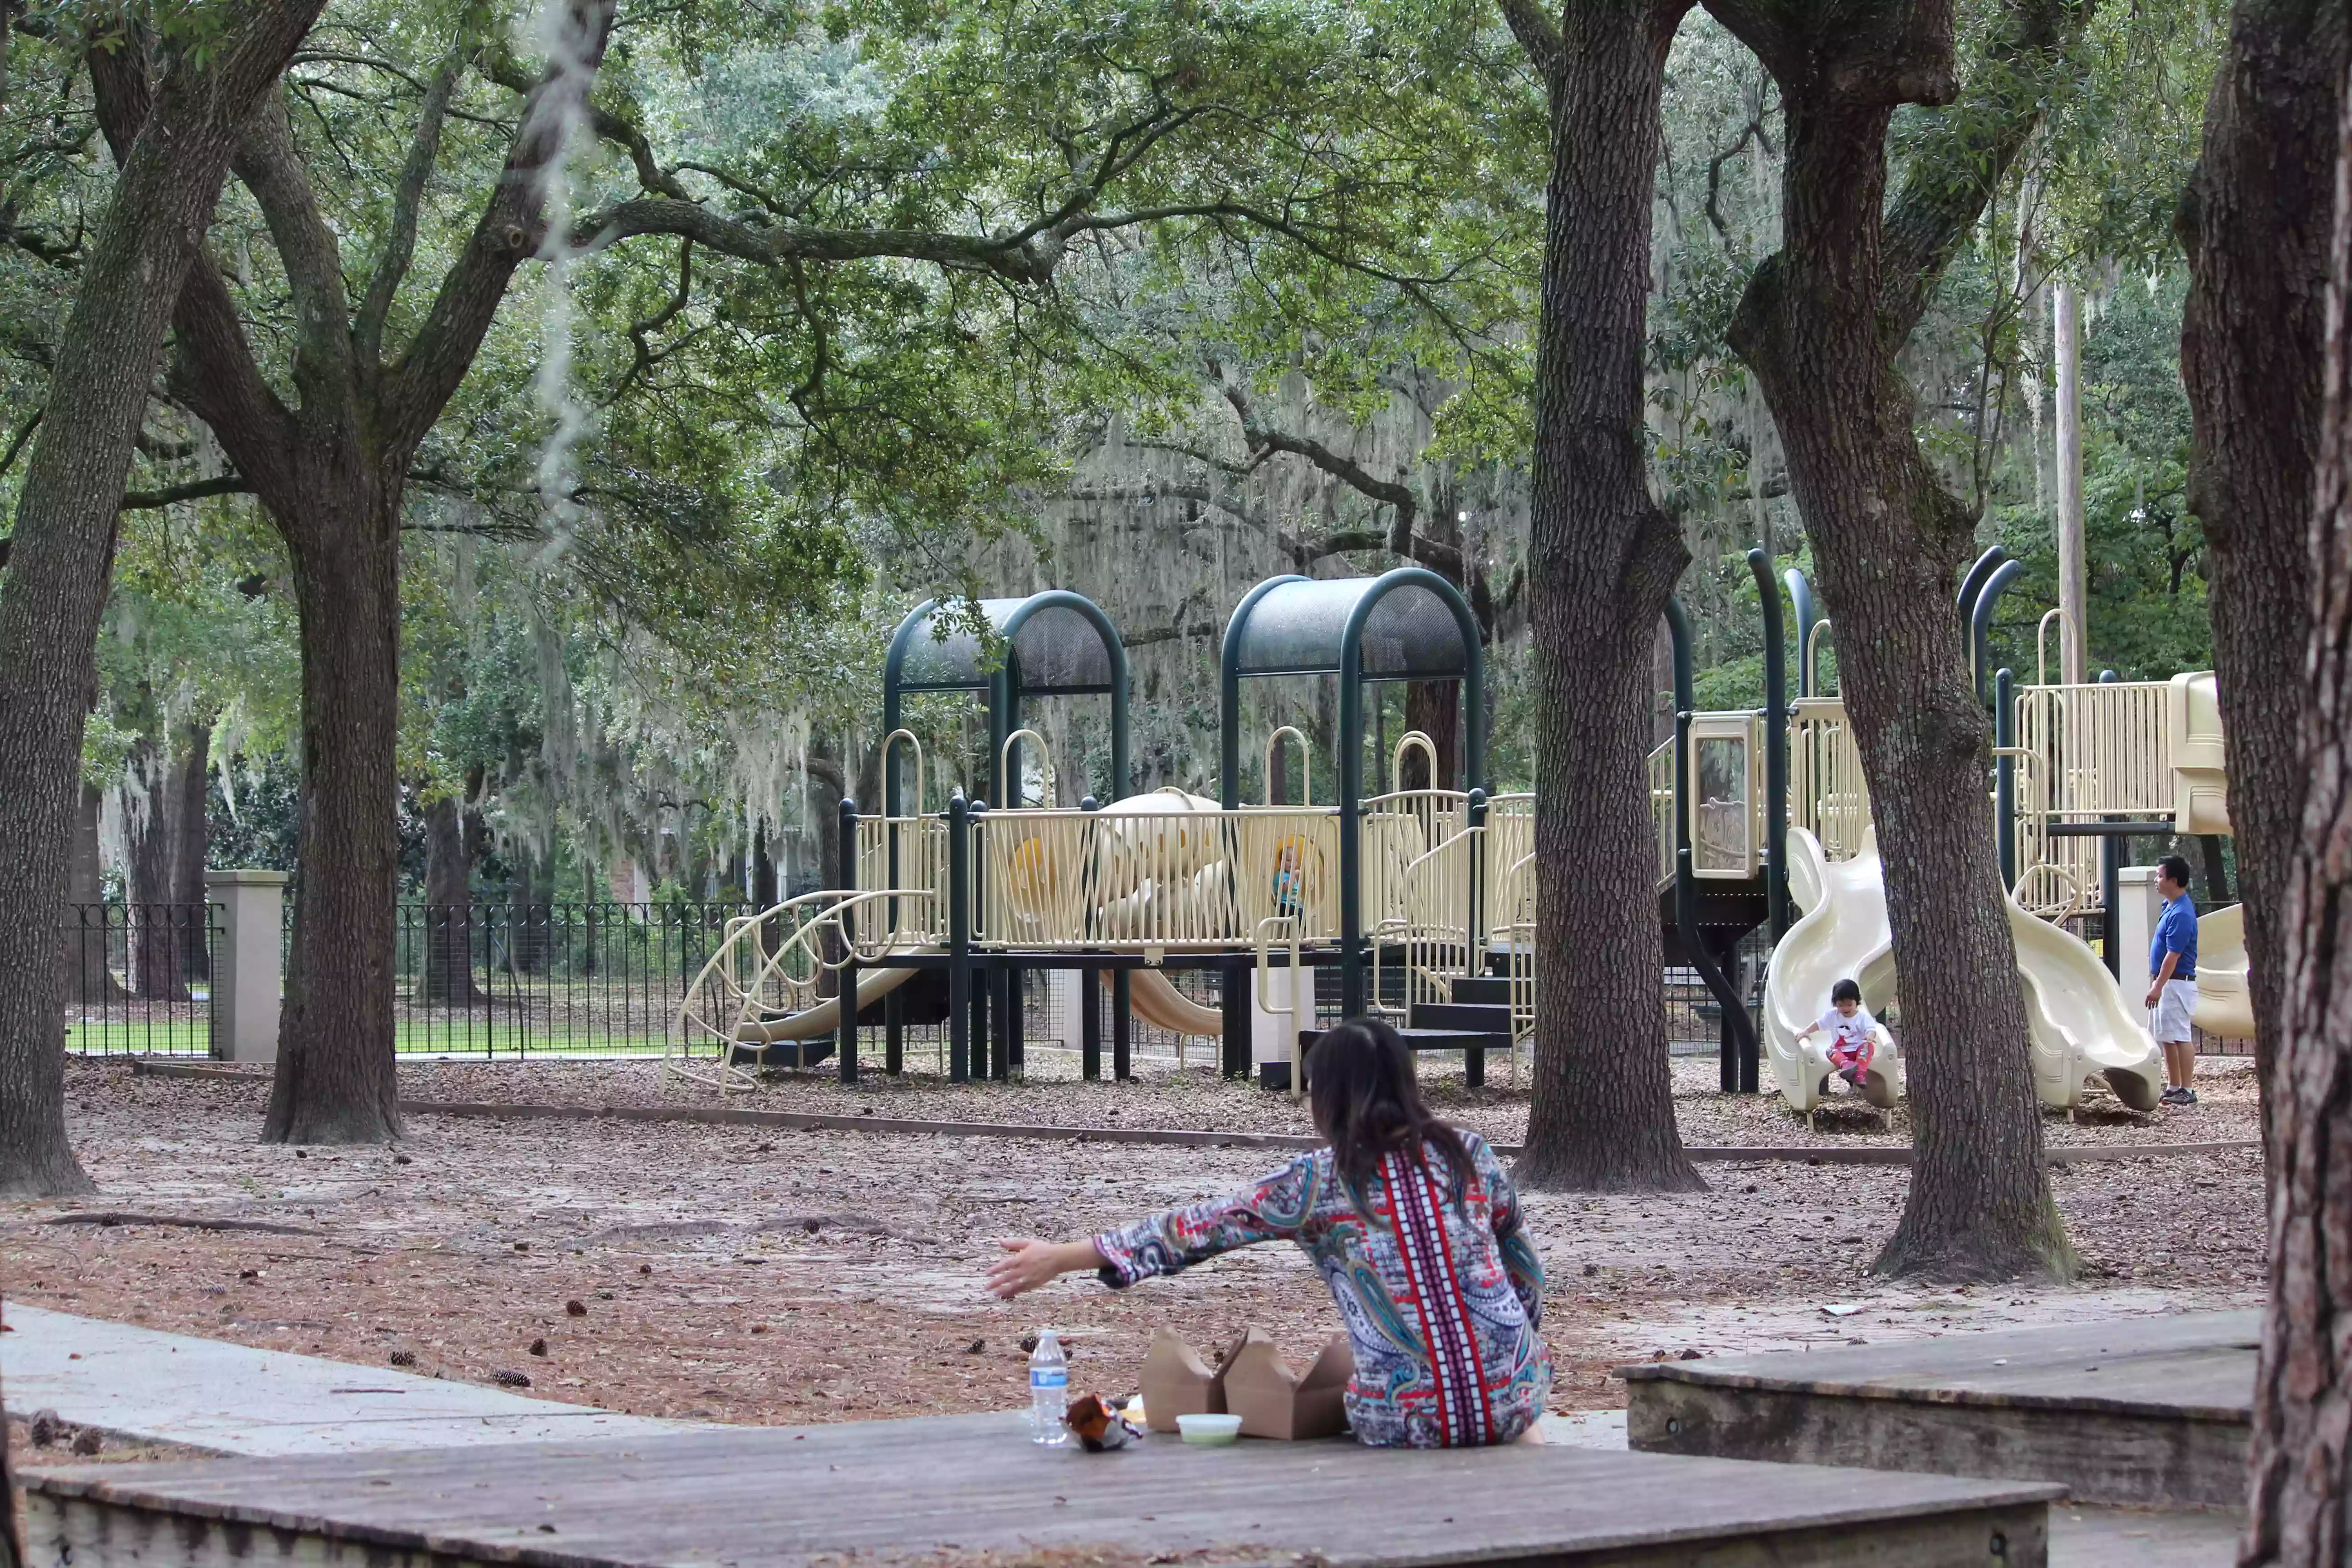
[1850, 1033]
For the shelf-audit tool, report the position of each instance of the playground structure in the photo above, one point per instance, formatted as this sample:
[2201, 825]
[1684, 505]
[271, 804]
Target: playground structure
[1421, 900]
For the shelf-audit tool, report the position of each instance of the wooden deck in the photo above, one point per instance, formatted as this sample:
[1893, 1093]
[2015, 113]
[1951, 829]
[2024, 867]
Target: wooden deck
[2152, 1411]
[973, 1490]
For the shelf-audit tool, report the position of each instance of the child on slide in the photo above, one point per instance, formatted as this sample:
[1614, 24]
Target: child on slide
[1416, 1230]
[1852, 1031]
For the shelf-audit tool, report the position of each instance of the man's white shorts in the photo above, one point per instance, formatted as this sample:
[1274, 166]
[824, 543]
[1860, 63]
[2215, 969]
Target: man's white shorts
[2170, 1026]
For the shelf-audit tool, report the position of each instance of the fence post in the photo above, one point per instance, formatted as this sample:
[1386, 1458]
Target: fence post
[246, 970]
[958, 940]
[846, 992]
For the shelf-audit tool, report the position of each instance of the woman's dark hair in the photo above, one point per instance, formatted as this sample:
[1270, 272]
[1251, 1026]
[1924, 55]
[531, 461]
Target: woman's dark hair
[1366, 1101]
[1845, 991]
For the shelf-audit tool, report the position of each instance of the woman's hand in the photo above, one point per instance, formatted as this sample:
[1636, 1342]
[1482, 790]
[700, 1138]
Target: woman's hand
[1028, 1263]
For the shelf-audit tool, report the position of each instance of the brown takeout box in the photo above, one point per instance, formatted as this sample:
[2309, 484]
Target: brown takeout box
[1274, 1402]
[1177, 1382]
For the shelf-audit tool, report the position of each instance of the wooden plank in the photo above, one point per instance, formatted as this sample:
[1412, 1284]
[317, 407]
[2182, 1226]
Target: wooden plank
[2147, 1412]
[954, 1487]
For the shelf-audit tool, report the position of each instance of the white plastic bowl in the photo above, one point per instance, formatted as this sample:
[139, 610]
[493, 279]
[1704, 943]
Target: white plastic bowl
[1210, 1431]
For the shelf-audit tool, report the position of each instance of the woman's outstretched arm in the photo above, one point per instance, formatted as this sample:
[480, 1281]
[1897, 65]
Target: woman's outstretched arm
[1028, 1263]
[1272, 1210]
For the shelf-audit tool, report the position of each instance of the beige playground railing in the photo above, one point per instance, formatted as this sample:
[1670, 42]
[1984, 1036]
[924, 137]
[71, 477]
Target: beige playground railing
[1828, 797]
[921, 847]
[1662, 808]
[2084, 753]
[1140, 879]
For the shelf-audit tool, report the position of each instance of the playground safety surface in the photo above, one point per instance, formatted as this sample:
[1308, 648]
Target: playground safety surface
[756, 1275]
[973, 1489]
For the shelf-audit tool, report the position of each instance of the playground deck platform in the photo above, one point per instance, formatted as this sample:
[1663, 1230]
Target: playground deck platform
[2152, 1411]
[972, 1489]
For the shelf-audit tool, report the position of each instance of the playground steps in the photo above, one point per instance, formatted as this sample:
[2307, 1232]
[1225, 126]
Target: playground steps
[1477, 1021]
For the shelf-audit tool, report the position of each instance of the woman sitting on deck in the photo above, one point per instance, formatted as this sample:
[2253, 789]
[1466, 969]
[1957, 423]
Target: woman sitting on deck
[1415, 1229]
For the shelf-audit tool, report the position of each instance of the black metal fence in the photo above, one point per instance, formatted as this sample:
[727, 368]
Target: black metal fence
[138, 978]
[518, 979]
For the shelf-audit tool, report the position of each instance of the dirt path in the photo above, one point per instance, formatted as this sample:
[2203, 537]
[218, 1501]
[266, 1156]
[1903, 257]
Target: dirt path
[742, 1275]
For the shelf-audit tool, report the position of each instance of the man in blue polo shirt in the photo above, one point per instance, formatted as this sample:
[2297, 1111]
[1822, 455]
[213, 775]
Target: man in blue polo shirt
[2172, 979]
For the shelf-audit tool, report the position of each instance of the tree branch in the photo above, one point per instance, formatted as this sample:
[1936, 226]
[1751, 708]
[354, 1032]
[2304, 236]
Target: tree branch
[1538, 35]
[16, 442]
[511, 226]
[400, 242]
[272, 170]
[194, 489]
[213, 374]
[1405, 505]
[609, 125]
[1961, 159]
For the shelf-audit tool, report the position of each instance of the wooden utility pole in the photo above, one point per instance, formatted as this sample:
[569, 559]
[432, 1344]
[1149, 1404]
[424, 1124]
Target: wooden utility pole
[2073, 657]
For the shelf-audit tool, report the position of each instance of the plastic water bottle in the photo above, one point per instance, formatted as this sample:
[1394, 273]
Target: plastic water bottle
[1049, 1391]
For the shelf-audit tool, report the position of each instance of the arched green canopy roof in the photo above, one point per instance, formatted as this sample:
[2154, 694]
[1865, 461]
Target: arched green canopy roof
[1062, 642]
[1055, 644]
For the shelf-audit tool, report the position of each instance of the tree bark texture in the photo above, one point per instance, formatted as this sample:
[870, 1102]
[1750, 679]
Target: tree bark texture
[157, 931]
[62, 548]
[1815, 327]
[335, 1080]
[186, 806]
[448, 906]
[1603, 560]
[1434, 707]
[2302, 1455]
[2254, 221]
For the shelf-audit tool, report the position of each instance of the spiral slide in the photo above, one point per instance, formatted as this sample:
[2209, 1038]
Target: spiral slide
[2079, 1024]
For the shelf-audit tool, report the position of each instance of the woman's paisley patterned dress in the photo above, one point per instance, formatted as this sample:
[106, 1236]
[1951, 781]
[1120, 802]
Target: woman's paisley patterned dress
[1431, 1270]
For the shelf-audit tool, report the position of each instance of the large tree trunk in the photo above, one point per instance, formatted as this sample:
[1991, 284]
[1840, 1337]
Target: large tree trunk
[335, 1077]
[448, 906]
[2302, 1461]
[186, 807]
[158, 931]
[1434, 707]
[62, 548]
[1602, 563]
[2254, 221]
[1887, 538]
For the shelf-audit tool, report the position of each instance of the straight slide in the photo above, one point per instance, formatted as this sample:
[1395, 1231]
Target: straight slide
[872, 985]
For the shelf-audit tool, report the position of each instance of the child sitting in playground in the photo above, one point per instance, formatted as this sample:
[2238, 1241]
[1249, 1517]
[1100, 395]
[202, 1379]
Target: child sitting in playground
[1416, 1230]
[1851, 1029]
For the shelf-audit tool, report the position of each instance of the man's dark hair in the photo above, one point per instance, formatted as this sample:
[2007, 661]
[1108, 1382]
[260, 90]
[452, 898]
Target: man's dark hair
[2174, 869]
[1845, 991]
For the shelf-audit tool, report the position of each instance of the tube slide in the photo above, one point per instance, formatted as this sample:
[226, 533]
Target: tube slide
[1153, 997]
[825, 1017]
[2224, 1006]
[2080, 1026]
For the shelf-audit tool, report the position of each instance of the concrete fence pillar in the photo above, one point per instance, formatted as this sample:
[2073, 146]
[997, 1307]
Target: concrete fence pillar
[2139, 907]
[246, 967]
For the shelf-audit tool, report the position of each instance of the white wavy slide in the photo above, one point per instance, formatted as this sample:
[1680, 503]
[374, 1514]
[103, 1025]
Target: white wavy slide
[2080, 1025]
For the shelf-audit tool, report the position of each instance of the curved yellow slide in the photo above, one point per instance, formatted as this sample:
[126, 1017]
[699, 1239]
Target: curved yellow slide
[1153, 998]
